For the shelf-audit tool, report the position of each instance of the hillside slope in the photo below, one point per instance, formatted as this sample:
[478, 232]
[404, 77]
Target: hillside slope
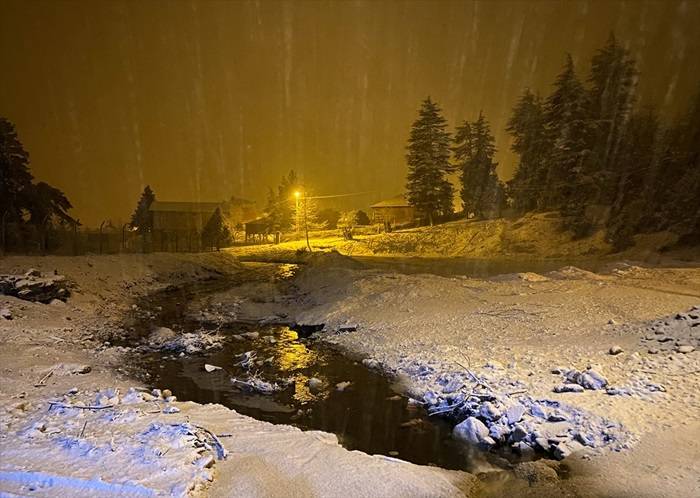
[534, 235]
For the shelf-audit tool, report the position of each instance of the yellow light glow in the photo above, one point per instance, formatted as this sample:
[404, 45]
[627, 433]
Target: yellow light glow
[297, 194]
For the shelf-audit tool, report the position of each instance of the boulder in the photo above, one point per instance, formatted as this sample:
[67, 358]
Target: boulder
[5, 314]
[473, 431]
[615, 350]
[499, 432]
[518, 433]
[315, 385]
[685, 349]
[588, 379]
[594, 380]
[568, 388]
[567, 448]
[524, 449]
[489, 411]
[33, 287]
[514, 413]
[160, 336]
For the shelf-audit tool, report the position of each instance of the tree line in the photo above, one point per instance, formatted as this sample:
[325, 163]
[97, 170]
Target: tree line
[22, 200]
[588, 151]
[292, 207]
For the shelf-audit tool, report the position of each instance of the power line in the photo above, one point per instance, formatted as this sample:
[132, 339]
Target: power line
[340, 195]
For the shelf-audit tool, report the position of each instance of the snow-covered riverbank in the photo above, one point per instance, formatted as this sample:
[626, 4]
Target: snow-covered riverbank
[71, 425]
[522, 338]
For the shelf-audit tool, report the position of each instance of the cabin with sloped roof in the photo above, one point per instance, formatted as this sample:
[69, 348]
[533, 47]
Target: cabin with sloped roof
[169, 216]
[394, 211]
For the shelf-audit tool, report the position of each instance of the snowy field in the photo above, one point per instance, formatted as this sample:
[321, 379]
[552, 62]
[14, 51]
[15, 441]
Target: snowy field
[597, 369]
[579, 364]
[72, 425]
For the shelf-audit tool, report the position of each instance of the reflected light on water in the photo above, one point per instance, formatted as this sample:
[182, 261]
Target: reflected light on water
[292, 356]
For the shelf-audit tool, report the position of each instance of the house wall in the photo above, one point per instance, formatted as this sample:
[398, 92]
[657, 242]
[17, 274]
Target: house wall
[393, 215]
[177, 220]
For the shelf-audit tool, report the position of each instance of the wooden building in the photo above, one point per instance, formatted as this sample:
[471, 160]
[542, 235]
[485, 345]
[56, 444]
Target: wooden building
[182, 216]
[258, 230]
[394, 211]
[171, 216]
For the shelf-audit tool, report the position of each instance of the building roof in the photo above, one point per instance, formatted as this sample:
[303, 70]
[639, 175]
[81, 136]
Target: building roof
[184, 207]
[398, 201]
[260, 220]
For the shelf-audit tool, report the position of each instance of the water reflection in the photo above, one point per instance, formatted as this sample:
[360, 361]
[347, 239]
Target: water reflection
[368, 415]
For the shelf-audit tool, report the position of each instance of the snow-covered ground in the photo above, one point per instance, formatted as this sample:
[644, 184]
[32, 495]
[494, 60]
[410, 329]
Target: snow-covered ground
[496, 348]
[534, 236]
[521, 338]
[71, 425]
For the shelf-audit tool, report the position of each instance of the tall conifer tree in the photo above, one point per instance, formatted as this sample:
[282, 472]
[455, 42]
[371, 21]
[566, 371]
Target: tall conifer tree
[428, 188]
[142, 220]
[613, 81]
[474, 150]
[568, 132]
[527, 127]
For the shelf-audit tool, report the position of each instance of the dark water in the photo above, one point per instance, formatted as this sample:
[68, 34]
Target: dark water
[368, 415]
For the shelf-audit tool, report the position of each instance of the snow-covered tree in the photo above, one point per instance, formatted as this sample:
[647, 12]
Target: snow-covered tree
[613, 81]
[527, 128]
[568, 127]
[347, 222]
[636, 161]
[306, 214]
[15, 177]
[142, 219]
[428, 188]
[19, 196]
[474, 149]
[280, 203]
[216, 232]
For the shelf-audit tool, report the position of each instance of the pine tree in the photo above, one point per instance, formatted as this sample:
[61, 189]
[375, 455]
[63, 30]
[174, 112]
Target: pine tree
[46, 203]
[142, 220]
[613, 81]
[306, 214]
[677, 184]
[568, 131]
[636, 160]
[474, 150]
[216, 232]
[527, 127]
[15, 177]
[280, 204]
[428, 188]
[19, 196]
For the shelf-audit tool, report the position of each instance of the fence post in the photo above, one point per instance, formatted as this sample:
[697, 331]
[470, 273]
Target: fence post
[2, 232]
[100, 241]
[75, 238]
[124, 236]
[44, 235]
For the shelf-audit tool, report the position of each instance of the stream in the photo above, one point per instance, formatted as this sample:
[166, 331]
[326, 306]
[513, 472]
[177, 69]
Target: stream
[367, 415]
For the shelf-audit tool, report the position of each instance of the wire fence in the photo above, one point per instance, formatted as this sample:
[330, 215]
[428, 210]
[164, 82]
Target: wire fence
[25, 238]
